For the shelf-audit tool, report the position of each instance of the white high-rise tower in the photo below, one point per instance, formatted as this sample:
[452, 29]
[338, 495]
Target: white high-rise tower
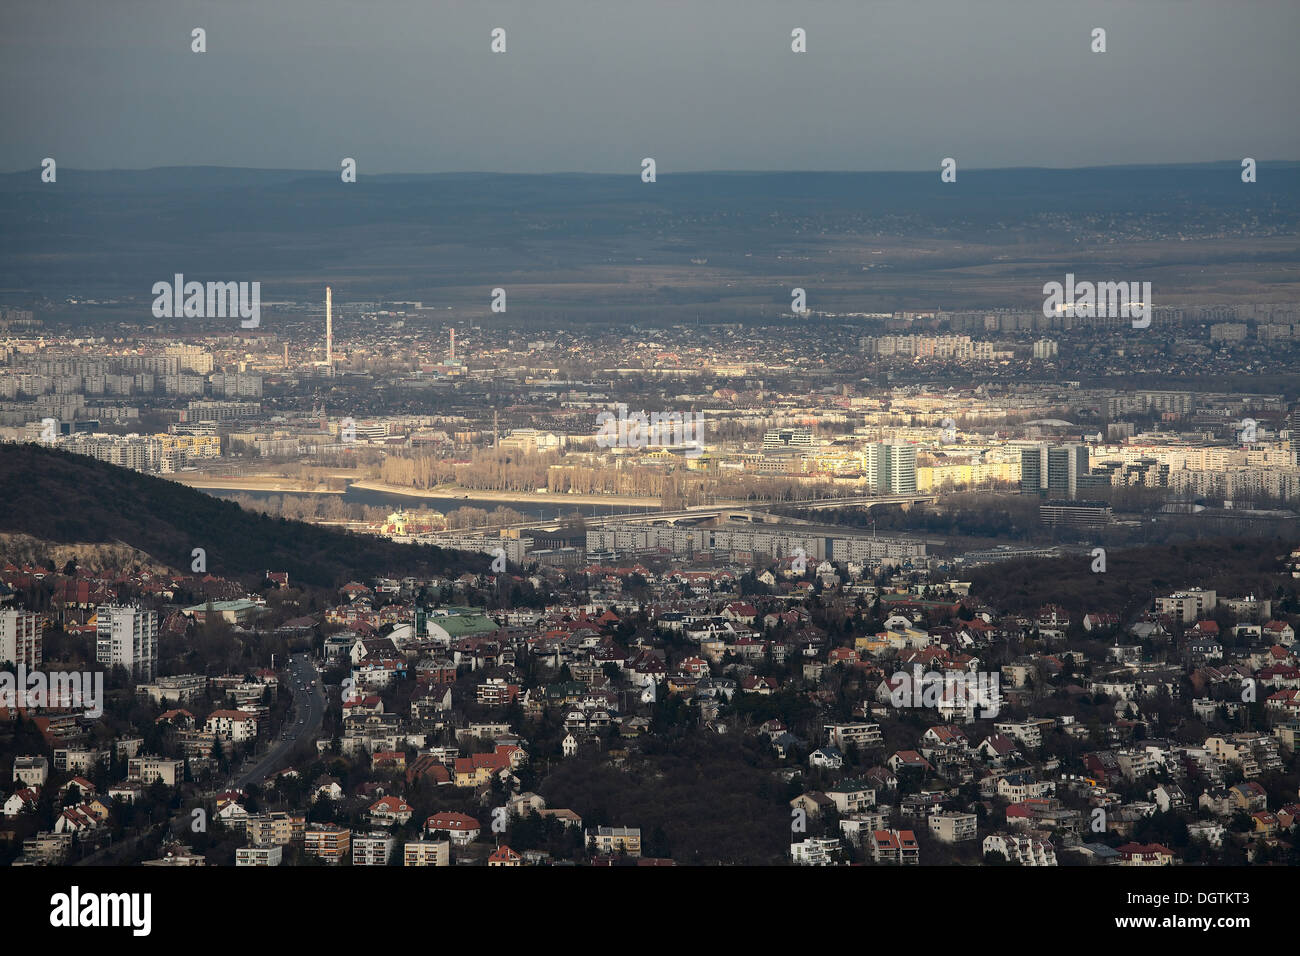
[329, 326]
[127, 637]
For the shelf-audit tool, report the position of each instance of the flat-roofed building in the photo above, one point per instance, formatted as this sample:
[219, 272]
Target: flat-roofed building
[20, 637]
[427, 853]
[605, 840]
[328, 842]
[259, 855]
[127, 637]
[148, 769]
[374, 849]
[951, 826]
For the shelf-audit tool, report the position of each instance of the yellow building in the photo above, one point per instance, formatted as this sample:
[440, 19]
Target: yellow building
[615, 840]
[191, 446]
[871, 645]
[965, 474]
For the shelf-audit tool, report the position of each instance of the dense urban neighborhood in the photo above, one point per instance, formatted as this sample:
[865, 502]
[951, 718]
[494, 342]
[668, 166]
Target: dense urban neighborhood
[645, 715]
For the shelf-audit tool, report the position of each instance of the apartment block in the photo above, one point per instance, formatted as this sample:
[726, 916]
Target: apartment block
[20, 638]
[259, 855]
[952, 827]
[853, 735]
[372, 850]
[1188, 605]
[427, 853]
[274, 829]
[615, 840]
[175, 689]
[32, 771]
[814, 852]
[127, 637]
[1023, 850]
[891, 469]
[328, 842]
[148, 769]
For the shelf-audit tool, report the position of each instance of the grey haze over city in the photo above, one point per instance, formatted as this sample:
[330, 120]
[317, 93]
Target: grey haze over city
[411, 85]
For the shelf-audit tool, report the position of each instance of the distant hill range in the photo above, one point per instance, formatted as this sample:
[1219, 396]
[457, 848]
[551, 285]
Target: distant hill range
[442, 238]
[64, 498]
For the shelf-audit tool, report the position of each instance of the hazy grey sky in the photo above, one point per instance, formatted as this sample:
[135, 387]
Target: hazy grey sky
[595, 85]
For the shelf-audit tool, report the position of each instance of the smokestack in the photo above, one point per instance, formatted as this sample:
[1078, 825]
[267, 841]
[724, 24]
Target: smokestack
[453, 345]
[329, 326]
[286, 354]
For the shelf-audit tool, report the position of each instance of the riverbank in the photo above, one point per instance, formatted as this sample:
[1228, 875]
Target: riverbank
[452, 495]
[256, 483]
[509, 497]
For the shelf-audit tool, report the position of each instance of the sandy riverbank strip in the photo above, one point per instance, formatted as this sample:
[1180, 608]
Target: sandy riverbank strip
[510, 497]
[254, 483]
[282, 485]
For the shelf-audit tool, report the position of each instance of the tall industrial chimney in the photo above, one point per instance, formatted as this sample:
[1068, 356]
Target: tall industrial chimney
[452, 356]
[329, 326]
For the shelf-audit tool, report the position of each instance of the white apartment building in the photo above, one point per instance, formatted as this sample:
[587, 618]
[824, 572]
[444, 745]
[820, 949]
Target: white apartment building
[128, 637]
[372, 850]
[891, 469]
[78, 760]
[861, 549]
[259, 855]
[31, 771]
[193, 358]
[853, 735]
[773, 541]
[951, 826]
[175, 689]
[148, 769]
[959, 348]
[20, 638]
[1020, 849]
[814, 852]
[234, 725]
[1026, 732]
[796, 437]
[137, 452]
[235, 385]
